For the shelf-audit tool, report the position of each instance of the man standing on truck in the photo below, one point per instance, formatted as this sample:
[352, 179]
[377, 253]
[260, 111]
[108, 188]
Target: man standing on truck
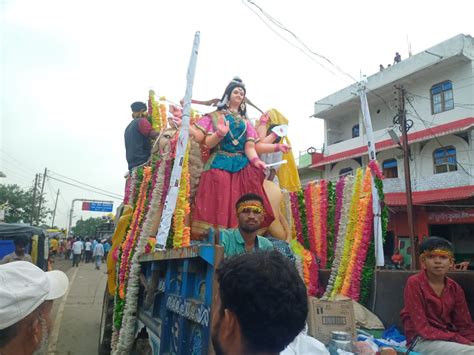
[137, 136]
[244, 239]
[19, 253]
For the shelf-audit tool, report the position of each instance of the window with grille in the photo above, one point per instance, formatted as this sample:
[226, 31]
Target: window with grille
[442, 97]
[444, 160]
[390, 168]
[345, 171]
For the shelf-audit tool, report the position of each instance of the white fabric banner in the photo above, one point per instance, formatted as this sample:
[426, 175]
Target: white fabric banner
[378, 241]
[170, 202]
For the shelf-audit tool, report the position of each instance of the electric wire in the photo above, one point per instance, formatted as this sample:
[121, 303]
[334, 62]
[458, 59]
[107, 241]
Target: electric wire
[277, 23]
[117, 197]
[82, 183]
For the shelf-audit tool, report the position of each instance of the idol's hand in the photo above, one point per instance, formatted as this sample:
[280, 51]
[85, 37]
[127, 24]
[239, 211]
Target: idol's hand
[222, 128]
[256, 162]
[284, 148]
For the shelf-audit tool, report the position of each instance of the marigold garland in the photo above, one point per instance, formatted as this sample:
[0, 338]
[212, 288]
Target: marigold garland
[154, 112]
[339, 201]
[323, 210]
[310, 216]
[181, 231]
[349, 238]
[316, 202]
[356, 256]
[345, 197]
[296, 217]
[331, 202]
[130, 239]
[163, 115]
[302, 213]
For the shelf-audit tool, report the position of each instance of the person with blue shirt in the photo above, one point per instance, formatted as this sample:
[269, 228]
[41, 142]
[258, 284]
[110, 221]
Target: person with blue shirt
[244, 239]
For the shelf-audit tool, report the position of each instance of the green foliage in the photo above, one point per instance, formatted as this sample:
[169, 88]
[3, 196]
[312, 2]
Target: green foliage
[369, 268]
[18, 205]
[87, 227]
[304, 221]
[331, 191]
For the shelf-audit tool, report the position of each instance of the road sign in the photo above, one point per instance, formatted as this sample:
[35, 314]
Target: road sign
[97, 207]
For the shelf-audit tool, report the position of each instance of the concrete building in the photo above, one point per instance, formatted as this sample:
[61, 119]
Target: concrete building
[439, 83]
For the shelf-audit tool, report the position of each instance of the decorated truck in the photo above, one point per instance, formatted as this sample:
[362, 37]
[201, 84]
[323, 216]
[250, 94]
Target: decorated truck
[165, 245]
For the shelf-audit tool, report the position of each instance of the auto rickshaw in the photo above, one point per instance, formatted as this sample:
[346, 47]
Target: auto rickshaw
[38, 246]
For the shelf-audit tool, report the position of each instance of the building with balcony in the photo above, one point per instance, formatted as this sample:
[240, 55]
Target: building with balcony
[439, 84]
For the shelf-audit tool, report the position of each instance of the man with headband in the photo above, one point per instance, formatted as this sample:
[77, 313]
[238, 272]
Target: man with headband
[137, 136]
[244, 239]
[436, 317]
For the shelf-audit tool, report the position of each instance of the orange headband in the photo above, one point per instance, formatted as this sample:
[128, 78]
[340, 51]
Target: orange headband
[253, 205]
[437, 252]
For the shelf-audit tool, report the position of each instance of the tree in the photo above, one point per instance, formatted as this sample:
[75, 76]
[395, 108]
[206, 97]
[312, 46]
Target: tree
[87, 227]
[18, 202]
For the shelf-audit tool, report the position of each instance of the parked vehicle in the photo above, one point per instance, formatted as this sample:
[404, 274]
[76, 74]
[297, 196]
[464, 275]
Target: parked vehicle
[38, 246]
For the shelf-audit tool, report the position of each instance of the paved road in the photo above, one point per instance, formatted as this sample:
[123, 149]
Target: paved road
[77, 314]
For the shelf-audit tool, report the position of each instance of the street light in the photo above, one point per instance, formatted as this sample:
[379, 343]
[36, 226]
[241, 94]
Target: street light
[2, 174]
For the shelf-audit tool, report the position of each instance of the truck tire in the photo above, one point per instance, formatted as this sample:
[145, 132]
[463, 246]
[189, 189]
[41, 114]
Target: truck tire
[106, 321]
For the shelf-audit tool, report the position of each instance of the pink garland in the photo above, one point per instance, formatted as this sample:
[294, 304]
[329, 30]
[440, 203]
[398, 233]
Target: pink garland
[296, 217]
[316, 195]
[127, 190]
[374, 167]
[309, 216]
[166, 182]
[337, 215]
[323, 222]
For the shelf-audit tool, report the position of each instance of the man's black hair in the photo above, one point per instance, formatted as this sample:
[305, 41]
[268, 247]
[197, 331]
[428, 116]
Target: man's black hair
[433, 243]
[21, 240]
[265, 292]
[138, 106]
[248, 197]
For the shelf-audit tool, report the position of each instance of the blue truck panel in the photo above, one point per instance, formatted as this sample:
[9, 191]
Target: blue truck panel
[178, 320]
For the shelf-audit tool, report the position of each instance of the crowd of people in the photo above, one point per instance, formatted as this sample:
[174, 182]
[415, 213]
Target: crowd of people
[87, 250]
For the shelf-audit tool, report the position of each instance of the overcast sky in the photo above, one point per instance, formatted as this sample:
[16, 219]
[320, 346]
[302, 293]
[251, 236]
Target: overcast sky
[71, 69]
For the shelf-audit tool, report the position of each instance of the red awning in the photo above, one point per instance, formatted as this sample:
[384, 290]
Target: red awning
[439, 130]
[430, 196]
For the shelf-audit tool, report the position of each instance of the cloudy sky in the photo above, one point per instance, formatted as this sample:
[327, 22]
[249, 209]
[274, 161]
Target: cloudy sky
[70, 70]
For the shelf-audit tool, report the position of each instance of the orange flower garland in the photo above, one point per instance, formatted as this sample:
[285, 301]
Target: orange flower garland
[155, 111]
[362, 209]
[349, 238]
[133, 232]
[182, 233]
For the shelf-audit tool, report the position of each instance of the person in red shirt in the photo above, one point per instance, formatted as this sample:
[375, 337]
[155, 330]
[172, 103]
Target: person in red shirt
[436, 317]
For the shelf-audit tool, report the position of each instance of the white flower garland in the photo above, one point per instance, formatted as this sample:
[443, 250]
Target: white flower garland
[126, 336]
[346, 202]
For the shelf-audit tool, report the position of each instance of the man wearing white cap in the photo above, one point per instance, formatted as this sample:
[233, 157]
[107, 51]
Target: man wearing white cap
[26, 300]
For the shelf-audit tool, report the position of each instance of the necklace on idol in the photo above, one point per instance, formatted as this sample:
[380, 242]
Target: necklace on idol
[235, 141]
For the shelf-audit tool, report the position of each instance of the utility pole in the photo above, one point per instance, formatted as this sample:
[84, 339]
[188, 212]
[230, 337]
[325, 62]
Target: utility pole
[41, 195]
[54, 212]
[33, 203]
[406, 164]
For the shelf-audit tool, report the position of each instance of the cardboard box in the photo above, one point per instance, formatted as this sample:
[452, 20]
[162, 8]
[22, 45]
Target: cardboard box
[327, 316]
